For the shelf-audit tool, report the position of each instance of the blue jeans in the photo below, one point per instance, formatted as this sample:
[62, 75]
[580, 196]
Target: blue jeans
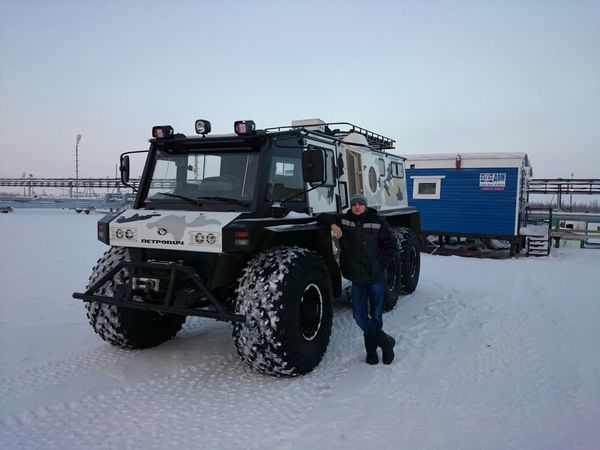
[367, 306]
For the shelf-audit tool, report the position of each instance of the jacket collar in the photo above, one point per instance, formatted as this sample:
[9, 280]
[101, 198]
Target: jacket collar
[368, 214]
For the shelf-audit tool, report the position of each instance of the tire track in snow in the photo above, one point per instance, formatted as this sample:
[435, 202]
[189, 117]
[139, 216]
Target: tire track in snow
[462, 367]
[55, 372]
[190, 406]
[197, 402]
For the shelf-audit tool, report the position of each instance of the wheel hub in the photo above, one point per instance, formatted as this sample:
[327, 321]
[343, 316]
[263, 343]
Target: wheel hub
[311, 312]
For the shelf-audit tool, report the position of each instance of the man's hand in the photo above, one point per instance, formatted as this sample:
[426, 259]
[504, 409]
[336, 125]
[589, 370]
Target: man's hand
[336, 231]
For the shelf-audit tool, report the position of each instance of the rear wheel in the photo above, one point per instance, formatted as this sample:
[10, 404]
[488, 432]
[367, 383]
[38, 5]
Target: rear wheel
[410, 254]
[126, 327]
[393, 282]
[403, 271]
[285, 295]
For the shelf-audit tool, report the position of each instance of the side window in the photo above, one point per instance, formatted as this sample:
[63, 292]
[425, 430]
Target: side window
[343, 195]
[373, 180]
[329, 168]
[397, 170]
[330, 171]
[381, 165]
[427, 187]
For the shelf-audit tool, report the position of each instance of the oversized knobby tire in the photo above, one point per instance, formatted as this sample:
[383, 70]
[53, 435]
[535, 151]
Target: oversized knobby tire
[403, 271]
[393, 281]
[285, 295]
[126, 327]
[410, 254]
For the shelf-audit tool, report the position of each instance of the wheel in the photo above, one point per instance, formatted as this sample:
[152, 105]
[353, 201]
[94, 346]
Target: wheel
[393, 278]
[410, 255]
[127, 327]
[285, 295]
[403, 272]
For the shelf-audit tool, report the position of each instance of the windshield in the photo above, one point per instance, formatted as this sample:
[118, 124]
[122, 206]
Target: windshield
[203, 178]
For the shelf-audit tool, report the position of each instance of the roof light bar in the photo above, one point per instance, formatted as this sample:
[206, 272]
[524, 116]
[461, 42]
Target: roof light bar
[162, 131]
[243, 127]
[202, 127]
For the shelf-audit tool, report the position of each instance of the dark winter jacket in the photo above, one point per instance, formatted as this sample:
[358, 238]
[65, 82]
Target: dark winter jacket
[367, 245]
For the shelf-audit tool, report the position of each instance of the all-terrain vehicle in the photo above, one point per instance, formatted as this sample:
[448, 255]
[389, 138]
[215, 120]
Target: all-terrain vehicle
[224, 227]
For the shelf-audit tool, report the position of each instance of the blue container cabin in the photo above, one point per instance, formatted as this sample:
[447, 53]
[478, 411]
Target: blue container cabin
[477, 195]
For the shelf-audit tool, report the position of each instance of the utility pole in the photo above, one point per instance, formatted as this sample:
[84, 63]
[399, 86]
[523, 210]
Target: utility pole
[571, 196]
[77, 139]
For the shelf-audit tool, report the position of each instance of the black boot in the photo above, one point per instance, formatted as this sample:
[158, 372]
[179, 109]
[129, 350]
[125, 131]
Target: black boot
[386, 342]
[371, 347]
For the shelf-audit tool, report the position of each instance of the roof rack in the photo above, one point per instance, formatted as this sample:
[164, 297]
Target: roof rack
[332, 128]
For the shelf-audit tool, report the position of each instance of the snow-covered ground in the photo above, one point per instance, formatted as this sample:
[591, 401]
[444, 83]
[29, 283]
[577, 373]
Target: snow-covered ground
[491, 354]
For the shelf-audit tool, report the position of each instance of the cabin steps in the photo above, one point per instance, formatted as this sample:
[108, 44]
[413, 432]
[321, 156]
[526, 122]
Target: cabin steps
[538, 245]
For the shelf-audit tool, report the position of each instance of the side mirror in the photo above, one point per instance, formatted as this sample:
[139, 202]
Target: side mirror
[313, 166]
[124, 168]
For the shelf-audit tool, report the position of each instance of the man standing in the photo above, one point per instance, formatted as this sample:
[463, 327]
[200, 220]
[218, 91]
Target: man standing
[367, 247]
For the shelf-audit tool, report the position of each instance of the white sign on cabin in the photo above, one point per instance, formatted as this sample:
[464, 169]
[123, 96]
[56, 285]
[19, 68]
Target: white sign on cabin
[492, 181]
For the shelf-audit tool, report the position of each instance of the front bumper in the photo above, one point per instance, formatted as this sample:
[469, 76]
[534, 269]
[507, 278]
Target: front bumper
[174, 275]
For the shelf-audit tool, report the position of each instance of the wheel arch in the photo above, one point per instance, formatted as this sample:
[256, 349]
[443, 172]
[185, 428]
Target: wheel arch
[409, 219]
[314, 238]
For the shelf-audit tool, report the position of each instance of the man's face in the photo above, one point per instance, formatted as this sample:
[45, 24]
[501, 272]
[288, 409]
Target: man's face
[358, 209]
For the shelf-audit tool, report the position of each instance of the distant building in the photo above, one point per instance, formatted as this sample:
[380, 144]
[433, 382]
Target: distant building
[479, 195]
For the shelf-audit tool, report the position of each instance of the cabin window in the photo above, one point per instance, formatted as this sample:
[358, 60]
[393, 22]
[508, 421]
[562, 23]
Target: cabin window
[343, 195]
[381, 164]
[427, 187]
[397, 170]
[372, 180]
[329, 167]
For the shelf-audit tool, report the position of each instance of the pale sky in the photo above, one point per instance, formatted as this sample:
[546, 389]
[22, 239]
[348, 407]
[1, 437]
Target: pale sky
[436, 76]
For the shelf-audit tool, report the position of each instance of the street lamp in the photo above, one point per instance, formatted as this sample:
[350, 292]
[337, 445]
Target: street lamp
[77, 139]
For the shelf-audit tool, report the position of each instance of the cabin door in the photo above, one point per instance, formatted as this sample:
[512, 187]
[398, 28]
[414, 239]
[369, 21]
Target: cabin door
[355, 173]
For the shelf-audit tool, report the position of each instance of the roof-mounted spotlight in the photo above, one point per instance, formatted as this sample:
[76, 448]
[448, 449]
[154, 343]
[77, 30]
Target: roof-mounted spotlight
[202, 127]
[162, 132]
[244, 127]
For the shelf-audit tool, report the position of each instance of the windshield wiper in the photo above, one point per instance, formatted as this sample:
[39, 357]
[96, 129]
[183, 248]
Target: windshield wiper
[233, 201]
[183, 197]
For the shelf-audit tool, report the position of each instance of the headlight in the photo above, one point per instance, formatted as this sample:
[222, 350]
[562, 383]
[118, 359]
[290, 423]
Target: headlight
[205, 238]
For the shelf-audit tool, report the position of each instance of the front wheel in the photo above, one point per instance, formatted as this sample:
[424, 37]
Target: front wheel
[126, 327]
[285, 296]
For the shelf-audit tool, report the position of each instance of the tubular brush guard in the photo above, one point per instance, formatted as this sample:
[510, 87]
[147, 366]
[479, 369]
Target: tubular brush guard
[167, 271]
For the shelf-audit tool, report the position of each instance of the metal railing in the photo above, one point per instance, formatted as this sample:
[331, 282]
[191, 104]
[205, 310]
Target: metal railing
[585, 186]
